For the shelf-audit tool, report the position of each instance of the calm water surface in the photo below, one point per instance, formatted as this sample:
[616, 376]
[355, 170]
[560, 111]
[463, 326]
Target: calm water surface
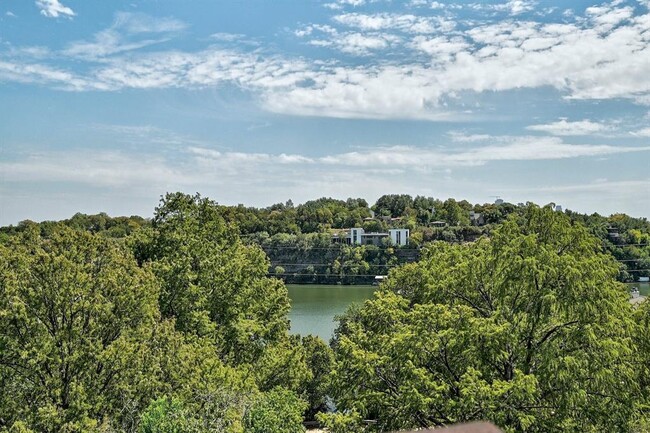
[314, 306]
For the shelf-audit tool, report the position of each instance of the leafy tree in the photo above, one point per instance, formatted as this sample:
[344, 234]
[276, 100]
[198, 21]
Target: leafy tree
[343, 422]
[320, 359]
[394, 205]
[166, 415]
[642, 363]
[277, 411]
[453, 213]
[213, 284]
[66, 304]
[373, 226]
[528, 329]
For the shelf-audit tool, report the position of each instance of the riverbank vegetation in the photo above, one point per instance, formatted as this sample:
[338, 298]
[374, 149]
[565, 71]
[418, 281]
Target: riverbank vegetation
[528, 329]
[175, 328]
[298, 238]
[174, 325]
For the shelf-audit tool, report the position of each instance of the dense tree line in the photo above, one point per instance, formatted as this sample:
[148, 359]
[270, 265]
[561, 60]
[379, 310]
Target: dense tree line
[102, 224]
[527, 328]
[306, 229]
[313, 258]
[176, 327]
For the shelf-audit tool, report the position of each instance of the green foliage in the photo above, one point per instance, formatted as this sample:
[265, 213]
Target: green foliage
[102, 224]
[325, 213]
[66, 304]
[642, 364]
[453, 213]
[276, 411]
[317, 260]
[342, 422]
[165, 415]
[20, 427]
[394, 205]
[84, 347]
[320, 361]
[126, 325]
[173, 415]
[528, 329]
[213, 284]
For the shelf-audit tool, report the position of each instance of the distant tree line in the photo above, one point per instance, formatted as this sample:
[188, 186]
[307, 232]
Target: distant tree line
[295, 237]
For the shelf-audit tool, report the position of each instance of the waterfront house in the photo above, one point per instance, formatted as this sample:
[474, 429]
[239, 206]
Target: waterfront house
[357, 236]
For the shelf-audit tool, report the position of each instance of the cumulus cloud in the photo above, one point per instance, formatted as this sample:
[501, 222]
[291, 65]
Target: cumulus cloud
[564, 127]
[584, 59]
[54, 9]
[512, 7]
[354, 43]
[403, 22]
[439, 46]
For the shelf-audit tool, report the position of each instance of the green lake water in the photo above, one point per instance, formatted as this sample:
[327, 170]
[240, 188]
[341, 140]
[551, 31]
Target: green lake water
[314, 306]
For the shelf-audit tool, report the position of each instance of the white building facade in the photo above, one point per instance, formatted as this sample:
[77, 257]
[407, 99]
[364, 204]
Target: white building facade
[399, 236]
[357, 236]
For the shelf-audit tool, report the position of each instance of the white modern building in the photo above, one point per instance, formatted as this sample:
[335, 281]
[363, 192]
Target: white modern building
[399, 236]
[357, 236]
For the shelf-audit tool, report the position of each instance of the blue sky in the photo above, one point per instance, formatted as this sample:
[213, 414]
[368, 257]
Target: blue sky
[107, 105]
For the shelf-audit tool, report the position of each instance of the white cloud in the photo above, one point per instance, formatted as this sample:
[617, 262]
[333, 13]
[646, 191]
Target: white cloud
[54, 9]
[227, 37]
[10, 14]
[580, 60]
[357, 43]
[439, 46]
[197, 165]
[402, 22]
[564, 127]
[517, 7]
[129, 31]
[262, 177]
[509, 149]
[340, 4]
[43, 74]
[645, 132]
[228, 158]
[512, 7]
[102, 169]
[459, 136]
[607, 17]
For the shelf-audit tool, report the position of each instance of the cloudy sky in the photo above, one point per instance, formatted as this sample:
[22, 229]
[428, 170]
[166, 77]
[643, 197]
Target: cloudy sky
[106, 105]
